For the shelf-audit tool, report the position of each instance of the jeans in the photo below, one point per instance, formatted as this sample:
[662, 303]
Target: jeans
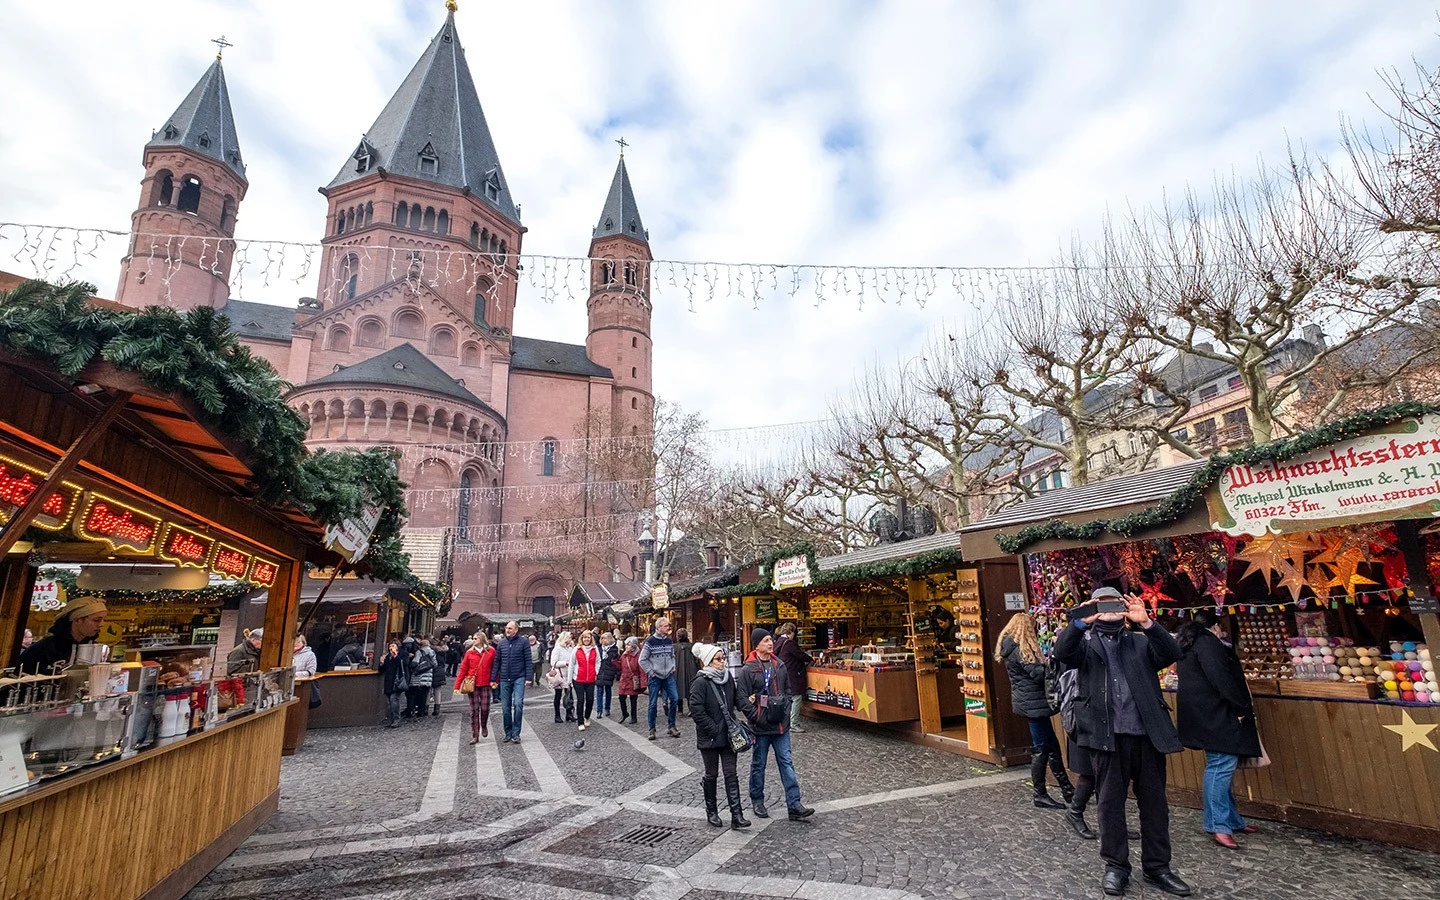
[602, 698]
[1220, 814]
[717, 760]
[512, 705]
[672, 697]
[392, 707]
[781, 744]
[795, 711]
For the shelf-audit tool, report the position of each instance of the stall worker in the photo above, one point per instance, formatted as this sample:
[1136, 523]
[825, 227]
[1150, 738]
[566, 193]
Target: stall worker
[246, 655]
[78, 623]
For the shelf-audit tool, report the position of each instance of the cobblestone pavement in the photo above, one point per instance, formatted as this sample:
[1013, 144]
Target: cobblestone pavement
[418, 812]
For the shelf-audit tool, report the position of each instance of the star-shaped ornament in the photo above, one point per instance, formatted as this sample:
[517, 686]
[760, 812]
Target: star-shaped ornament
[1292, 579]
[863, 701]
[1347, 575]
[1216, 589]
[1413, 733]
[1266, 555]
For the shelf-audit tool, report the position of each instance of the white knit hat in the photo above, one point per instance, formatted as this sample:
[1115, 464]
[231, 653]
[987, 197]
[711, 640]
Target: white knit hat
[705, 653]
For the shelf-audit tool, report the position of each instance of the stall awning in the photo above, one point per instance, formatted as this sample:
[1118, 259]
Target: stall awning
[604, 593]
[1087, 503]
[696, 587]
[350, 590]
[885, 552]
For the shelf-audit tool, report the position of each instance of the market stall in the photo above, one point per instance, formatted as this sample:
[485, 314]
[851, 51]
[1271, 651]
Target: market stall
[1321, 557]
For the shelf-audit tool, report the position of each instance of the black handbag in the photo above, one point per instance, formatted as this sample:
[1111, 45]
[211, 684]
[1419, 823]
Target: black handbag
[740, 735]
[314, 695]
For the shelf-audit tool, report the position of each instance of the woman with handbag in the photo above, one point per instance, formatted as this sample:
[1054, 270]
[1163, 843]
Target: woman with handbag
[473, 678]
[395, 681]
[1018, 649]
[561, 676]
[718, 734]
[1217, 715]
[609, 671]
[633, 680]
[587, 669]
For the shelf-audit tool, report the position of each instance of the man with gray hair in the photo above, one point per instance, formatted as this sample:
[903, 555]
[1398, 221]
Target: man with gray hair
[511, 669]
[657, 658]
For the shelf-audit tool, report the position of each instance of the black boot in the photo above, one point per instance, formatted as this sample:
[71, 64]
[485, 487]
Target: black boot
[712, 806]
[1043, 800]
[758, 807]
[1062, 778]
[732, 795]
[1037, 778]
[1077, 824]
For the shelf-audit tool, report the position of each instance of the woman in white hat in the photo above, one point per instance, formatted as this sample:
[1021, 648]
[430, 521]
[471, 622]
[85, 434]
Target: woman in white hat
[713, 700]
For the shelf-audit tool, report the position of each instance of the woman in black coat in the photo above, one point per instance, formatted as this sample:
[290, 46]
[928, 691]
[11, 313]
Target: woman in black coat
[1019, 650]
[1217, 715]
[395, 681]
[609, 671]
[713, 699]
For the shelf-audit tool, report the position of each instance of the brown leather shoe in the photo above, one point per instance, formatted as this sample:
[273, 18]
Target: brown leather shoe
[1227, 841]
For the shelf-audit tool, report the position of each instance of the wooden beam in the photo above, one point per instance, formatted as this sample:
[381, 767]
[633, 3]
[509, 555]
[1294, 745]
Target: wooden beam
[26, 514]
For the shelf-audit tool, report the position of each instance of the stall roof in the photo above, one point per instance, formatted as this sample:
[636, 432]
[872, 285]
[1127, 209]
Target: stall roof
[604, 593]
[949, 540]
[348, 590]
[696, 585]
[1110, 498]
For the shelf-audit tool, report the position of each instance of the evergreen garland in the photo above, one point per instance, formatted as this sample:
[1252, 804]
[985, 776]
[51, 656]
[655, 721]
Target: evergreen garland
[195, 354]
[1174, 507]
[906, 567]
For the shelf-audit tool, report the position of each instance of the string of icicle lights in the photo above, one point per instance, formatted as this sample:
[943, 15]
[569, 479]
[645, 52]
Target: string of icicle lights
[55, 252]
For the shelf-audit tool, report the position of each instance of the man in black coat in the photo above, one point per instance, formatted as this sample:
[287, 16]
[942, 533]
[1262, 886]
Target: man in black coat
[1121, 717]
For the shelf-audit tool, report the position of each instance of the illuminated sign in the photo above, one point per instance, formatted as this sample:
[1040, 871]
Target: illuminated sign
[185, 547]
[361, 618]
[263, 572]
[230, 562]
[18, 482]
[118, 525]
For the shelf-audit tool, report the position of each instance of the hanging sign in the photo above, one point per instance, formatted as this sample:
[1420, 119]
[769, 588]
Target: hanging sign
[230, 562]
[1393, 474]
[18, 482]
[48, 595]
[184, 547]
[766, 609]
[118, 525]
[660, 596]
[361, 618]
[263, 572]
[351, 538]
[792, 571]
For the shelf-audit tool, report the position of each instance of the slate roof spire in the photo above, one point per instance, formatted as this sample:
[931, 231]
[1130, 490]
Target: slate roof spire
[204, 123]
[621, 215]
[433, 129]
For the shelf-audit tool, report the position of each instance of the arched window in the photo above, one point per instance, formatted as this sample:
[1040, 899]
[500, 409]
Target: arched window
[442, 342]
[227, 212]
[415, 216]
[470, 355]
[442, 222]
[504, 252]
[634, 342]
[189, 201]
[474, 233]
[338, 339]
[372, 333]
[164, 187]
[548, 467]
[429, 222]
[402, 214]
[630, 273]
[633, 371]
[409, 324]
[634, 402]
[607, 272]
[369, 211]
[494, 244]
[462, 521]
[350, 219]
[479, 309]
[349, 277]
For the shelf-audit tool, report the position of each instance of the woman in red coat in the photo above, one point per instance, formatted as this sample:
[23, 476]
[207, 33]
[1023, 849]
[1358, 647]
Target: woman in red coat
[587, 668]
[632, 681]
[477, 662]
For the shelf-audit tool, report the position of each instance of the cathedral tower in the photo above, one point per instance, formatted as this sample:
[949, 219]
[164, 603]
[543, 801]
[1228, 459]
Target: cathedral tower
[619, 306]
[181, 243]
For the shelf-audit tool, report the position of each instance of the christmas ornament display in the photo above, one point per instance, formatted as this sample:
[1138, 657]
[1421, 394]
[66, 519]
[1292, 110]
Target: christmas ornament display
[1263, 642]
[1407, 672]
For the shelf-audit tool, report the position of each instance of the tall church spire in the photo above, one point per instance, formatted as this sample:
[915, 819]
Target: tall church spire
[434, 130]
[621, 216]
[203, 122]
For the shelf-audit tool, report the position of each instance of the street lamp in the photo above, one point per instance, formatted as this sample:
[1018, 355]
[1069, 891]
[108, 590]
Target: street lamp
[647, 551]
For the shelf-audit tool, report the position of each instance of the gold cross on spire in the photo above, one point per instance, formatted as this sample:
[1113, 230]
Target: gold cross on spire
[623, 144]
[221, 43]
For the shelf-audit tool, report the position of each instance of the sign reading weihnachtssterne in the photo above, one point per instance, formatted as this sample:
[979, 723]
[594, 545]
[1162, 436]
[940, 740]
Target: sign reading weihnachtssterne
[1393, 473]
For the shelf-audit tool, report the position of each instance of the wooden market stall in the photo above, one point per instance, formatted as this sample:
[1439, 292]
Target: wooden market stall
[99, 469]
[899, 632]
[1321, 555]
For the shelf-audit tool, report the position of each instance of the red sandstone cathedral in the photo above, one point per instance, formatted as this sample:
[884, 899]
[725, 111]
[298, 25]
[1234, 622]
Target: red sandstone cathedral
[408, 341]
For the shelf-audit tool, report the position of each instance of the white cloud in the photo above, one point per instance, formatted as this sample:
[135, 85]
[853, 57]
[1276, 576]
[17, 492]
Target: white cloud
[979, 134]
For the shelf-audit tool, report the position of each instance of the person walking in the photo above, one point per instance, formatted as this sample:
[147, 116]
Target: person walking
[561, 676]
[633, 681]
[762, 682]
[584, 673]
[685, 667]
[424, 670]
[394, 683]
[609, 671]
[1018, 649]
[511, 669]
[713, 700]
[1121, 718]
[796, 660]
[1217, 715]
[477, 665]
[657, 658]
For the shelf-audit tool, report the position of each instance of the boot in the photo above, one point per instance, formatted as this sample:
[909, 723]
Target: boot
[652, 734]
[436, 710]
[1077, 823]
[712, 806]
[484, 727]
[732, 796]
[1037, 778]
[1043, 800]
[1062, 778]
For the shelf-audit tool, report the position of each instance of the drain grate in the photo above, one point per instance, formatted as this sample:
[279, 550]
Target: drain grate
[646, 836]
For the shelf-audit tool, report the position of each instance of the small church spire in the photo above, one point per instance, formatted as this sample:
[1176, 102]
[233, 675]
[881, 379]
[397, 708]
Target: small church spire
[621, 215]
[204, 122]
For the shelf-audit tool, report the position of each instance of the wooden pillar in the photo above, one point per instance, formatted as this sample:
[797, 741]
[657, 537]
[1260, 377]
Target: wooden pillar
[927, 687]
[17, 579]
[281, 616]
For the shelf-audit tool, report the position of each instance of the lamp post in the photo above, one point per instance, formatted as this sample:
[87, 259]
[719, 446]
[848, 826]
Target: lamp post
[647, 549]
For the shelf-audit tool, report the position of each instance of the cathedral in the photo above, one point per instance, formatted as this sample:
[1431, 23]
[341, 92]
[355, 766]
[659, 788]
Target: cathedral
[408, 341]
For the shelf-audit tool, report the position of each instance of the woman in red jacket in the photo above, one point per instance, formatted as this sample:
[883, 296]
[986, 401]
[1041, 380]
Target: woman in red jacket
[587, 667]
[632, 681]
[477, 662]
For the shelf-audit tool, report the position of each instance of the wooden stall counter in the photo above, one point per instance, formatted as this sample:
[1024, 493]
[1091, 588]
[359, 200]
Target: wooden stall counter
[880, 697]
[348, 699]
[193, 800]
[1366, 770]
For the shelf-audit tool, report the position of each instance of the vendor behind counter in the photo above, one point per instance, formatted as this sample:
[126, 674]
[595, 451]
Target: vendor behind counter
[79, 622]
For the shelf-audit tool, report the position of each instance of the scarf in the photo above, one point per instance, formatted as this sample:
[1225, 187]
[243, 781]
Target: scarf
[719, 676]
[1110, 628]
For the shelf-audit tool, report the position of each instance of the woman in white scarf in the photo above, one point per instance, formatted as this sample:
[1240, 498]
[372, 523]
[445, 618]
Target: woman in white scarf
[713, 701]
[562, 674]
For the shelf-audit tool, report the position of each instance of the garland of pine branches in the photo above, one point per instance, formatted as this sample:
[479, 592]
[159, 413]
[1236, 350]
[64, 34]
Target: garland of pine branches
[925, 563]
[196, 354]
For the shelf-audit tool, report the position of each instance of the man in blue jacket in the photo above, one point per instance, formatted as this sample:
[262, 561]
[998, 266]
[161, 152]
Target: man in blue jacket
[513, 667]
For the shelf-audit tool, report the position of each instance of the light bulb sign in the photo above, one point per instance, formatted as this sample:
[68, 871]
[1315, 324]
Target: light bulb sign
[184, 547]
[117, 525]
[230, 562]
[18, 483]
[263, 572]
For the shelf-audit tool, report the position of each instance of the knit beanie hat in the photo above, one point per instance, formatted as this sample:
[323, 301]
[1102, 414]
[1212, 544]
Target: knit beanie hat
[705, 653]
[757, 636]
[80, 607]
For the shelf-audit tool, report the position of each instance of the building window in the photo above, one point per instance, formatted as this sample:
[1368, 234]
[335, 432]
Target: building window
[474, 234]
[479, 309]
[167, 188]
[205, 139]
[442, 222]
[607, 273]
[1205, 431]
[402, 214]
[462, 521]
[1057, 480]
[429, 160]
[634, 402]
[1209, 390]
[189, 201]
[634, 372]
[1235, 382]
[548, 467]
[634, 342]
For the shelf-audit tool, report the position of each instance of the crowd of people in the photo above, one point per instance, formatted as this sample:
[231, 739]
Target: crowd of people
[1100, 679]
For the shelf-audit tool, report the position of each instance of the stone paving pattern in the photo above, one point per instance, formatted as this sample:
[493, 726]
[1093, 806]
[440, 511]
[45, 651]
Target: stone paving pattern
[355, 821]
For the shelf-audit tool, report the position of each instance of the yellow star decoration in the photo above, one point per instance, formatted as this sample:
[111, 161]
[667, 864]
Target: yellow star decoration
[863, 701]
[1346, 574]
[1293, 580]
[1265, 554]
[1413, 733]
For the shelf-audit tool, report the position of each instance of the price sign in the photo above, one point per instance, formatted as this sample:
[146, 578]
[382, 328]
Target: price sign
[47, 596]
[118, 525]
[184, 547]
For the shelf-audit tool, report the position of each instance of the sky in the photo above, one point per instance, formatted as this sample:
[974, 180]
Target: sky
[831, 132]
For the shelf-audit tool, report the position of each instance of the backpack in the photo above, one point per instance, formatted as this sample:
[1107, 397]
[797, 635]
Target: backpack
[1067, 687]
